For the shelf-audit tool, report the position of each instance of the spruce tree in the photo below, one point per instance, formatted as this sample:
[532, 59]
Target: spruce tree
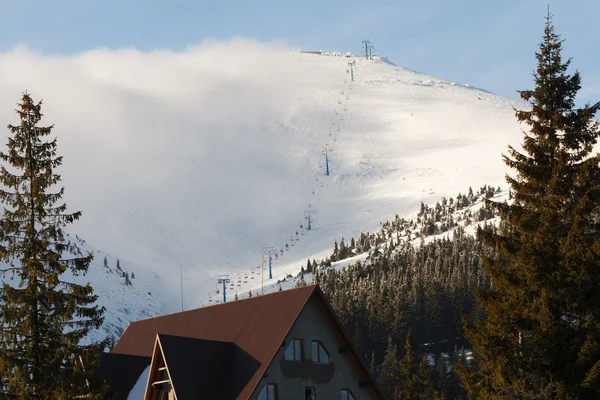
[389, 374]
[541, 334]
[410, 384]
[44, 317]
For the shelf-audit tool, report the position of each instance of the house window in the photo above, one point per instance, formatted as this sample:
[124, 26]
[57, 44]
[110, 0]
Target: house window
[269, 392]
[310, 393]
[347, 394]
[319, 354]
[294, 351]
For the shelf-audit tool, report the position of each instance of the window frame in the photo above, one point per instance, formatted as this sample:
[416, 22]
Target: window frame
[266, 390]
[293, 344]
[349, 394]
[320, 346]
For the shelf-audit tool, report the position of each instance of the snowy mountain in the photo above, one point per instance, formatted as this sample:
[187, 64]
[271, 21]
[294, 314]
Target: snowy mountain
[202, 157]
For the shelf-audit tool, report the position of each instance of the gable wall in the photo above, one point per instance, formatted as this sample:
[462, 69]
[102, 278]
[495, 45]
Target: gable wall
[292, 377]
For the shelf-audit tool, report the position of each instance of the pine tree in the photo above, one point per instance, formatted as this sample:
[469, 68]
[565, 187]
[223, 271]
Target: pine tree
[373, 365]
[541, 336]
[105, 262]
[334, 256]
[426, 379]
[45, 317]
[410, 387]
[119, 265]
[389, 374]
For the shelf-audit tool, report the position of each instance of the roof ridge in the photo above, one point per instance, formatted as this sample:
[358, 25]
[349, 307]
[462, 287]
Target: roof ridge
[221, 304]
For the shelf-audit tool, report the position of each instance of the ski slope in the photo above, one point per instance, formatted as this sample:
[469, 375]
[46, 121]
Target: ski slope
[197, 159]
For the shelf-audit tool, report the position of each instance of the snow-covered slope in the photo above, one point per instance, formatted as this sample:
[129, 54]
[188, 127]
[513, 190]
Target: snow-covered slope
[201, 158]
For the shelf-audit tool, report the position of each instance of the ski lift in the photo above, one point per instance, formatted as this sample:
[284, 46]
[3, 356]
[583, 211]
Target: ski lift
[252, 278]
[245, 281]
[239, 284]
[210, 300]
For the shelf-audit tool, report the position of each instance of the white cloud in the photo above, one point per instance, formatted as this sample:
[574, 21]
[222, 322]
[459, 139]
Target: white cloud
[159, 147]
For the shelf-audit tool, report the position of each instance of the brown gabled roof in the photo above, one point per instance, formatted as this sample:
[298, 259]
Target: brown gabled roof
[257, 325]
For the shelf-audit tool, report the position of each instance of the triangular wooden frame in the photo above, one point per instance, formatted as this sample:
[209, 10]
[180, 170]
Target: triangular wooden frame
[156, 368]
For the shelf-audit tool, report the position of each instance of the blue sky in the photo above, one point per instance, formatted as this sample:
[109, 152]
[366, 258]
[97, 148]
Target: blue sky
[488, 44]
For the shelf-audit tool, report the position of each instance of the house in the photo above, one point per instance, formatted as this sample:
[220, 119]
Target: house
[283, 345]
